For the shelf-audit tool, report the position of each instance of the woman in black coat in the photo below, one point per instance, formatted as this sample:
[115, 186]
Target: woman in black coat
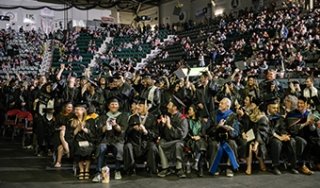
[256, 122]
[85, 135]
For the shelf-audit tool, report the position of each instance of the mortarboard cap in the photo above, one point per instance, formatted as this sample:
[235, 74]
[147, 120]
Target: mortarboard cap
[177, 102]
[81, 104]
[113, 99]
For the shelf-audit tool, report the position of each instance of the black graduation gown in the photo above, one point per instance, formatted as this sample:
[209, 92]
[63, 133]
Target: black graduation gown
[86, 151]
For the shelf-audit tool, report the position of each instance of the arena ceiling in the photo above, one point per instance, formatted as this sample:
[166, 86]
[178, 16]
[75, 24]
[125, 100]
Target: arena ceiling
[121, 5]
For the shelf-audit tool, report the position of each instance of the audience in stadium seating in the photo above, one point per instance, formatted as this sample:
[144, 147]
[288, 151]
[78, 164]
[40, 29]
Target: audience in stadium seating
[163, 116]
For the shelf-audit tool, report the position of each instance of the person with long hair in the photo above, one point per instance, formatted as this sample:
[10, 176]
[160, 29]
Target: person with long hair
[64, 134]
[195, 139]
[257, 123]
[84, 138]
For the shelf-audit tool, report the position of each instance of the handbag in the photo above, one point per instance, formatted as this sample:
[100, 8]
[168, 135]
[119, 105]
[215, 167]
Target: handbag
[84, 144]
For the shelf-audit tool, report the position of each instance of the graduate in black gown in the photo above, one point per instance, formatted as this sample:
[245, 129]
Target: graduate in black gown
[141, 137]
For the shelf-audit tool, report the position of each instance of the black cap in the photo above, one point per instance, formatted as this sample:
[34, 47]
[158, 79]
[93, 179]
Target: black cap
[252, 76]
[272, 100]
[134, 120]
[255, 100]
[113, 99]
[81, 104]
[295, 82]
[146, 76]
[142, 100]
[117, 75]
[177, 102]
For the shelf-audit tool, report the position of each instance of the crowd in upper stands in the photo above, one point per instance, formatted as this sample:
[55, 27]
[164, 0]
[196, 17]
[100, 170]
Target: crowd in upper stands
[21, 48]
[158, 118]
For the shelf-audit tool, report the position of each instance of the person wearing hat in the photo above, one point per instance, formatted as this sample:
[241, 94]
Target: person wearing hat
[173, 131]
[270, 83]
[294, 88]
[141, 137]
[45, 130]
[204, 95]
[300, 127]
[123, 91]
[222, 134]
[253, 120]
[85, 133]
[112, 127]
[279, 138]
[152, 93]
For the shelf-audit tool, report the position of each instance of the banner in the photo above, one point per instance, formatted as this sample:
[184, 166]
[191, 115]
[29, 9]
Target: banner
[107, 19]
[12, 15]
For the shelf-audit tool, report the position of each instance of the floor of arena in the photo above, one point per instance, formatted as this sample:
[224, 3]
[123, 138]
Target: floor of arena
[20, 168]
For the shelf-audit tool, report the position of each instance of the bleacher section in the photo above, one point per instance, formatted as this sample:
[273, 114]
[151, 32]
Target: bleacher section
[83, 44]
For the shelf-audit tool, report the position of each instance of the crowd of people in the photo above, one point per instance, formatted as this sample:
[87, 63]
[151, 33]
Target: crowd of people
[152, 116]
[21, 48]
[285, 39]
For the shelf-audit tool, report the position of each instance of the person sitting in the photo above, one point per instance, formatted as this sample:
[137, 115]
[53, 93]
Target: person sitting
[254, 131]
[196, 140]
[63, 138]
[84, 137]
[141, 137]
[299, 124]
[112, 127]
[173, 130]
[222, 134]
[279, 138]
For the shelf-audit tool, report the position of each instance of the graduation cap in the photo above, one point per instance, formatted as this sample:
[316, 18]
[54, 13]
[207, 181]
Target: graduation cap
[252, 76]
[134, 120]
[146, 76]
[271, 100]
[81, 104]
[177, 102]
[142, 100]
[295, 82]
[117, 75]
[113, 99]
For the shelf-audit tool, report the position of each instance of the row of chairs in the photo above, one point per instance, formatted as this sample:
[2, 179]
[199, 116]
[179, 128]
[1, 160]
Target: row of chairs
[18, 122]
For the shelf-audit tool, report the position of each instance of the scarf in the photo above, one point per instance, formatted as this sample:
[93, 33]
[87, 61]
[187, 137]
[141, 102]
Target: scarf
[113, 115]
[195, 127]
[223, 115]
[91, 116]
[310, 92]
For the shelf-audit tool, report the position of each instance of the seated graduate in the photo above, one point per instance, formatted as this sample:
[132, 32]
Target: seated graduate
[173, 131]
[196, 139]
[85, 130]
[112, 127]
[222, 134]
[141, 137]
[280, 140]
[253, 121]
[300, 126]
